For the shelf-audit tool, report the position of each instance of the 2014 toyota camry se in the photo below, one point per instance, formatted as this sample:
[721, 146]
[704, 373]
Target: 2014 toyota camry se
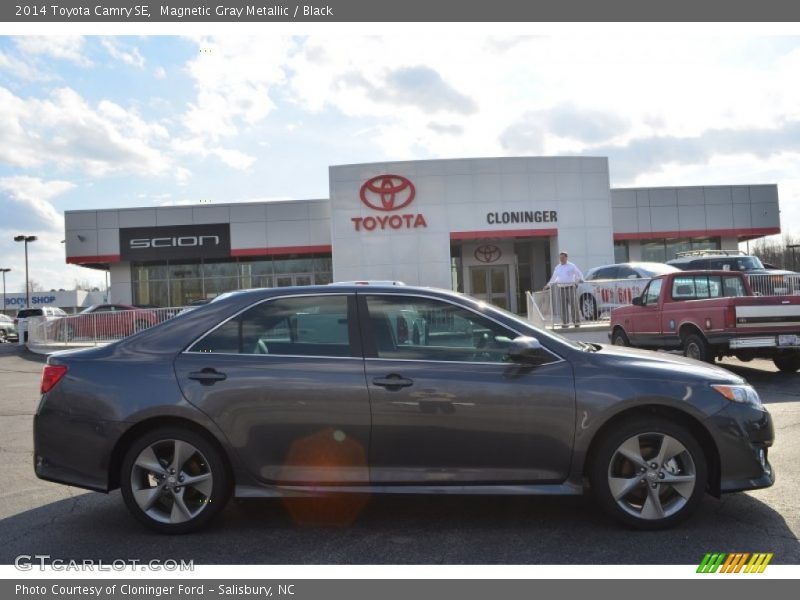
[383, 388]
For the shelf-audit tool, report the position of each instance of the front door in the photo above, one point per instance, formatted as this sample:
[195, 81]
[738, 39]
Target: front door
[490, 284]
[284, 381]
[447, 407]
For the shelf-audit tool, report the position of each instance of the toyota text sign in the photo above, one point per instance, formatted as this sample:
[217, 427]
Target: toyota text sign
[388, 194]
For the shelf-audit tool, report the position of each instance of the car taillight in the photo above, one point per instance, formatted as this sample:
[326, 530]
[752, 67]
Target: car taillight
[730, 316]
[51, 375]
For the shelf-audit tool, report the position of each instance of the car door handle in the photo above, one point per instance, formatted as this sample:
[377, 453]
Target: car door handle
[208, 376]
[392, 382]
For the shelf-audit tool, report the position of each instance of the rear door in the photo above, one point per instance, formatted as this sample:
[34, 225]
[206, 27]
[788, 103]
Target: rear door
[448, 408]
[284, 380]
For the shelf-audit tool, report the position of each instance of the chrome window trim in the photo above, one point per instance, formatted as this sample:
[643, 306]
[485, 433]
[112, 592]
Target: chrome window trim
[470, 309]
[200, 338]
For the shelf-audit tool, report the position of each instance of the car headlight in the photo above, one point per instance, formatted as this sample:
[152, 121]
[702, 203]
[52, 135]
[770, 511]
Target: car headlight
[743, 394]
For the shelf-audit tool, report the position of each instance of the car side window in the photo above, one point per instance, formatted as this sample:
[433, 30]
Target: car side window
[653, 291]
[696, 287]
[415, 328]
[733, 286]
[299, 326]
[626, 273]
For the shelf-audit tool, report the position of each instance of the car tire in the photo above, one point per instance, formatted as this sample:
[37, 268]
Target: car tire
[588, 307]
[787, 363]
[157, 490]
[3, 336]
[620, 338]
[671, 491]
[696, 346]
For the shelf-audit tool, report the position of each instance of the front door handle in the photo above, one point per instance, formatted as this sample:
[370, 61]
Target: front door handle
[208, 376]
[392, 382]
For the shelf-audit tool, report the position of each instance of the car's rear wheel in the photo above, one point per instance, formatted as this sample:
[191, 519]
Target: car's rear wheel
[697, 347]
[588, 308]
[619, 338]
[649, 473]
[174, 480]
[787, 363]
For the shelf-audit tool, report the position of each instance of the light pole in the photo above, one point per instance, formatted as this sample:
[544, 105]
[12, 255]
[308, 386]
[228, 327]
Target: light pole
[26, 239]
[4, 271]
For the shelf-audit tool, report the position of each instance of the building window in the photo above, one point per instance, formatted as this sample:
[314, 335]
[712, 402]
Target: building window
[168, 283]
[662, 250]
[621, 252]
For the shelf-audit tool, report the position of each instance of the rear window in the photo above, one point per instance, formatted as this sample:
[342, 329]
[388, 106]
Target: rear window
[698, 287]
[29, 312]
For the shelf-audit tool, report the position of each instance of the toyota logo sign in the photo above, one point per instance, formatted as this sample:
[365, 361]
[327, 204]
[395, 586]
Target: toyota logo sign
[388, 192]
[488, 253]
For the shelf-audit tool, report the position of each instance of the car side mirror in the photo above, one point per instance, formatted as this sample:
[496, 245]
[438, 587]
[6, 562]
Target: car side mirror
[638, 301]
[523, 348]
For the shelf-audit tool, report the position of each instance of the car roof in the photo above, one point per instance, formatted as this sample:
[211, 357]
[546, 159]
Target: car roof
[703, 272]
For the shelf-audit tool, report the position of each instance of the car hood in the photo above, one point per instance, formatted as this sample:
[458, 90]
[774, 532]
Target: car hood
[665, 365]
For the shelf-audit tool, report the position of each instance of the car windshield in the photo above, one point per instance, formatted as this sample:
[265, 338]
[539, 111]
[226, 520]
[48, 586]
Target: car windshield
[30, 312]
[654, 269]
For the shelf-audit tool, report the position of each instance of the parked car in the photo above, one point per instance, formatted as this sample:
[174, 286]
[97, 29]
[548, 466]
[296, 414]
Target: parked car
[711, 314]
[610, 286]
[722, 260]
[8, 331]
[107, 321]
[48, 313]
[233, 399]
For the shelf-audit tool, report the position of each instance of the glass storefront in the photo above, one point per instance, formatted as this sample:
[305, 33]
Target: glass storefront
[177, 283]
[662, 250]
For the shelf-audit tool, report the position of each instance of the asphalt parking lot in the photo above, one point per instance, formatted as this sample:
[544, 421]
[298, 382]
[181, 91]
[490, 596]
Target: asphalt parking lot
[37, 517]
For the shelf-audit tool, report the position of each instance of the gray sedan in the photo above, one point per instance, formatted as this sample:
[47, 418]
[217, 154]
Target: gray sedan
[327, 391]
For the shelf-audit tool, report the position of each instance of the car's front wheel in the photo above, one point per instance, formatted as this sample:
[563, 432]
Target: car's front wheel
[174, 480]
[649, 473]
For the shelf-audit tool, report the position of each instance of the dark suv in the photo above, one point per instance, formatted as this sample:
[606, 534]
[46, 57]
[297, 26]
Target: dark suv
[389, 389]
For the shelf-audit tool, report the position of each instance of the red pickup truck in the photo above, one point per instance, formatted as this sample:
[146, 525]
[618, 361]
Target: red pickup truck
[710, 314]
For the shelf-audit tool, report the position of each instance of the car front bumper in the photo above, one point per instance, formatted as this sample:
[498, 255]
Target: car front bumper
[743, 436]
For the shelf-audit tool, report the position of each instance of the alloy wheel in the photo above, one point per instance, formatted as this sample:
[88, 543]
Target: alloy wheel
[652, 476]
[171, 481]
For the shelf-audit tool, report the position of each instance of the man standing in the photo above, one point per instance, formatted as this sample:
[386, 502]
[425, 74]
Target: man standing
[566, 277]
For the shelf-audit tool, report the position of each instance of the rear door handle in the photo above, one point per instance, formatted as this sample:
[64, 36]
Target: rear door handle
[392, 382]
[208, 376]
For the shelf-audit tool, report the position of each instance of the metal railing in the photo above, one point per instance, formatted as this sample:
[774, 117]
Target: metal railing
[770, 284]
[576, 304]
[92, 329]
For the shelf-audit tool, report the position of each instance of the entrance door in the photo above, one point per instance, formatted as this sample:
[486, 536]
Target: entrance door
[490, 284]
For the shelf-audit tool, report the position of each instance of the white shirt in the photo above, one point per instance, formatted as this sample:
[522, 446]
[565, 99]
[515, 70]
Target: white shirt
[566, 273]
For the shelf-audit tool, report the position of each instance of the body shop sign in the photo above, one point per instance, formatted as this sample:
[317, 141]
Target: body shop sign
[388, 194]
[175, 242]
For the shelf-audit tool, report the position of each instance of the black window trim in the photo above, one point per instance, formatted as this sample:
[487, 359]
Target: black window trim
[353, 329]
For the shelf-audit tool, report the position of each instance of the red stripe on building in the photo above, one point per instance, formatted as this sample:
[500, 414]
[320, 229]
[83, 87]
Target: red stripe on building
[696, 233]
[319, 249]
[89, 260]
[502, 233]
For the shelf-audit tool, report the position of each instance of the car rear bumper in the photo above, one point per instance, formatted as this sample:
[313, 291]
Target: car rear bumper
[73, 451]
[743, 436]
[788, 341]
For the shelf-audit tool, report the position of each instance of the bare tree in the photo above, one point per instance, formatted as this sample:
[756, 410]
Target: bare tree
[779, 252]
[35, 286]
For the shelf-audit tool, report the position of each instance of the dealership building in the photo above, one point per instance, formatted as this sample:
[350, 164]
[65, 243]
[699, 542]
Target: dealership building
[491, 227]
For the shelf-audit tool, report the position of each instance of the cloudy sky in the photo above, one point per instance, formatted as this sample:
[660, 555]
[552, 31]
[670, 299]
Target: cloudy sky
[98, 122]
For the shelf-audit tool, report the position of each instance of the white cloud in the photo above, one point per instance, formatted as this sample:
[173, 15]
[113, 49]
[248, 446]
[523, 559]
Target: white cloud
[33, 194]
[130, 56]
[68, 132]
[67, 47]
[160, 73]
